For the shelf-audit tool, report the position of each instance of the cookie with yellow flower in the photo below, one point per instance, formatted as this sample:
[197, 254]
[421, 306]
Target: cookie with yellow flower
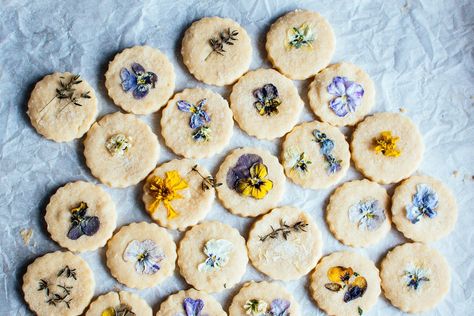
[119, 303]
[387, 147]
[252, 180]
[141, 255]
[300, 44]
[190, 302]
[345, 283]
[179, 193]
[285, 244]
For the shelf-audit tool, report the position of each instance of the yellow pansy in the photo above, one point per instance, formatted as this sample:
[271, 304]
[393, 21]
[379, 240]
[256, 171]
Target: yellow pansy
[340, 274]
[166, 190]
[256, 186]
[387, 144]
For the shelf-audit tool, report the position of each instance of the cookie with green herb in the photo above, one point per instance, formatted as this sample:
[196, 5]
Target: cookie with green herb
[190, 303]
[119, 304]
[58, 283]
[285, 244]
[216, 50]
[300, 44]
[265, 104]
[81, 216]
[140, 79]
[62, 106]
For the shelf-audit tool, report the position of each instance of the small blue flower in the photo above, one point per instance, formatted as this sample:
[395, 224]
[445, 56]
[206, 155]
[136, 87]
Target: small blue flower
[367, 214]
[327, 145]
[193, 307]
[424, 203]
[140, 81]
[415, 276]
[348, 95]
[199, 116]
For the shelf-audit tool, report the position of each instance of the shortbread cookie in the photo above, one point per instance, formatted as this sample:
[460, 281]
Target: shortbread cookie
[341, 94]
[119, 303]
[216, 50]
[415, 277]
[345, 284]
[62, 106]
[252, 180]
[387, 147]
[300, 44]
[285, 244]
[263, 298]
[189, 303]
[58, 283]
[357, 213]
[81, 216]
[315, 155]
[141, 255]
[265, 103]
[140, 79]
[212, 257]
[424, 209]
[197, 123]
[179, 193]
[121, 150]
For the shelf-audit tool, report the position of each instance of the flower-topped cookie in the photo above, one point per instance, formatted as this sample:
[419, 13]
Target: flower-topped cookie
[119, 304]
[253, 181]
[190, 303]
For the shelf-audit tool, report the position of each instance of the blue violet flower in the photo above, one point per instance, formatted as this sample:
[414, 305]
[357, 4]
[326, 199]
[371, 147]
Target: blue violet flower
[424, 203]
[193, 307]
[348, 95]
[199, 119]
[139, 80]
[367, 214]
[327, 145]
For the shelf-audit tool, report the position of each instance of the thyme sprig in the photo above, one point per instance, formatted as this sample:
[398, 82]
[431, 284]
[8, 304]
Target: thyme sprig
[226, 37]
[284, 230]
[68, 272]
[207, 182]
[63, 296]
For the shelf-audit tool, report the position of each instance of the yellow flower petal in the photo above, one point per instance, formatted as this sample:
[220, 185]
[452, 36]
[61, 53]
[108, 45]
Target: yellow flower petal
[360, 282]
[171, 211]
[258, 170]
[108, 312]
[339, 274]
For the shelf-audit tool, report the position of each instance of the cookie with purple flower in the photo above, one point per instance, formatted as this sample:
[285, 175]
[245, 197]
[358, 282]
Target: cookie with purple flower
[140, 79]
[190, 303]
[341, 94]
[424, 209]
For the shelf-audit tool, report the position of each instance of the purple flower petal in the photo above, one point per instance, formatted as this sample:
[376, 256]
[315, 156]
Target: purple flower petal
[129, 80]
[75, 232]
[354, 91]
[201, 104]
[193, 307]
[352, 104]
[337, 86]
[140, 92]
[241, 170]
[259, 94]
[196, 121]
[279, 307]
[184, 106]
[90, 225]
[270, 91]
[138, 69]
[338, 106]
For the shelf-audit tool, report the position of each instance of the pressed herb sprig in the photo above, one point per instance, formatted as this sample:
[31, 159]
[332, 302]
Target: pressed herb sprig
[68, 272]
[207, 182]
[284, 230]
[65, 290]
[226, 37]
[43, 285]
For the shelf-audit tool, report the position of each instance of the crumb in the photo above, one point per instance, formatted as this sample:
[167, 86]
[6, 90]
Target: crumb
[402, 110]
[455, 173]
[26, 235]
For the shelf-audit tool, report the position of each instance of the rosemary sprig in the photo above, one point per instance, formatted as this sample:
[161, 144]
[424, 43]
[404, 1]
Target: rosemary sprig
[284, 230]
[226, 37]
[207, 182]
[68, 272]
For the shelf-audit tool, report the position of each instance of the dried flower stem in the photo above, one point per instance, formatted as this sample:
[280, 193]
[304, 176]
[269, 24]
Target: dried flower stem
[207, 182]
[225, 37]
[285, 230]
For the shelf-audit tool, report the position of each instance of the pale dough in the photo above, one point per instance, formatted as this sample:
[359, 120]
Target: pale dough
[242, 103]
[280, 258]
[176, 130]
[209, 66]
[125, 271]
[134, 302]
[152, 60]
[191, 255]
[378, 167]
[431, 264]
[99, 204]
[173, 305]
[58, 273]
[59, 119]
[131, 167]
[304, 62]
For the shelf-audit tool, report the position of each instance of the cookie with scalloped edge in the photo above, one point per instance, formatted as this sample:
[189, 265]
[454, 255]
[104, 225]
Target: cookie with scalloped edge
[114, 303]
[193, 300]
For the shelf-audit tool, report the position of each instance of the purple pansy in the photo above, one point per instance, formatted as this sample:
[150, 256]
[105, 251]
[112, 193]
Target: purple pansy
[81, 224]
[241, 170]
[280, 307]
[267, 100]
[348, 95]
[199, 116]
[193, 307]
[139, 80]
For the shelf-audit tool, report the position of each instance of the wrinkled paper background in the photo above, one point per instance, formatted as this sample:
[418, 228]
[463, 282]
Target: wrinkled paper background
[419, 53]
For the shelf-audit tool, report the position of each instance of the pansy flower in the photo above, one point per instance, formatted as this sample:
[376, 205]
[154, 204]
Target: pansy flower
[415, 276]
[166, 190]
[255, 307]
[387, 144]
[267, 100]
[139, 80]
[81, 224]
[424, 203]
[199, 116]
[348, 95]
[298, 37]
[217, 252]
[368, 215]
[193, 307]
[146, 256]
[343, 278]
[297, 161]
[280, 307]
[326, 146]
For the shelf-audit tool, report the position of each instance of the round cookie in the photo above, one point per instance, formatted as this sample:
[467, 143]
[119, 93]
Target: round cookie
[415, 278]
[197, 123]
[265, 104]
[141, 255]
[121, 150]
[62, 106]
[212, 256]
[341, 94]
[263, 298]
[285, 244]
[196, 302]
[216, 51]
[345, 284]
[357, 213]
[424, 209]
[58, 283]
[115, 303]
[253, 182]
[179, 193]
[81, 216]
[300, 43]
[387, 147]
[315, 155]
[140, 79]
